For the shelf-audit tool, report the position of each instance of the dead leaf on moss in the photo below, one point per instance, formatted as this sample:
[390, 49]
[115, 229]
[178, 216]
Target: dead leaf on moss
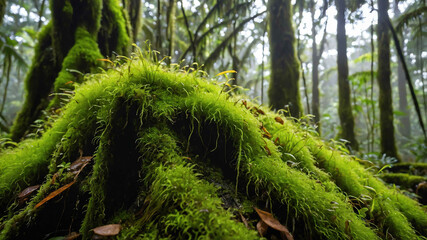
[279, 120]
[107, 230]
[55, 193]
[262, 228]
[79, 164]
[268, 219]
[72, 236]
[26, 193]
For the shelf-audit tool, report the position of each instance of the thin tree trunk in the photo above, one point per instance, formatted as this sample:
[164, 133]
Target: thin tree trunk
[2, 9]
[134, 10]
[284, 79]
[171, 27]
[388, 145]
[345, 110]
[159, 26]
[405, 124]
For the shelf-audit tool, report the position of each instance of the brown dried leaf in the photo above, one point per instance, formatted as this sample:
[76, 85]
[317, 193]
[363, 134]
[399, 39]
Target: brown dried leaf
[107, 230]
[267, 150]
[267, 135]
[28, 191]
[80, 163]
[262, 228]
[273, 223]
[55, 193]
[279, 120]
[72, 236]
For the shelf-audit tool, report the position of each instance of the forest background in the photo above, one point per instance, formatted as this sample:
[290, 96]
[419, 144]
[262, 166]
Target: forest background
[226, 35]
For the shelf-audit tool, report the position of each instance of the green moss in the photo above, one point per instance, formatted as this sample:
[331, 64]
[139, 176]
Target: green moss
[149, 176]
[113, 35]
[403, 179]
[38, 82]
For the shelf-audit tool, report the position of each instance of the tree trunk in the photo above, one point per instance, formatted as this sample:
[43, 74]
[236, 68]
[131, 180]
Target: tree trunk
[284, 80]
[73, 40]
[405, 123]
[2, 10]
[388, 145]
[134, 11]
[171, 27]
[345, 110]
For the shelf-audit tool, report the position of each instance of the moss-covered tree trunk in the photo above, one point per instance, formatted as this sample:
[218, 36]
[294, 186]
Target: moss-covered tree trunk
[345, 110]
[134, 11]
[284, 91]
[80, 33]
[388, 145]
[168, 155]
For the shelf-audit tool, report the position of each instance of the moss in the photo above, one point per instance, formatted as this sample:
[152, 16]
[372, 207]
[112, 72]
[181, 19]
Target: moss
[419, 169]
[68, 49]
[38, 82]
[113, 35]
[151, 179]
[403, 179]
[82, 57]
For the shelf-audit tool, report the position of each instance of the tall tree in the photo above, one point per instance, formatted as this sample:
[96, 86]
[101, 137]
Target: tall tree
[388, 145]
[405, 124]
[78, 35]
[284, 80]
[171, 26]
[345, 110]
[316, 56]
[134, 12]
[2, 9]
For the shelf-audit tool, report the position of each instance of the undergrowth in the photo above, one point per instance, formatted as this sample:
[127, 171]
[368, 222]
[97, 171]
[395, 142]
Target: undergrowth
[151, 128]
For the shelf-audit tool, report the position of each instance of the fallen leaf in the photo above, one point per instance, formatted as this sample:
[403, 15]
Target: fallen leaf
[107, 230]
[267, 135]
[268, 150]
[26, 193]
[259, 110]
[279, 120]
[72, 236]
[262, 228]
[347, 227]
[244, 220]
[273, 223]
[80, 163]
[55, 193]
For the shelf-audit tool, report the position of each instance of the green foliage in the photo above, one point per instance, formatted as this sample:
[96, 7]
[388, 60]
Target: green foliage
[149, 127]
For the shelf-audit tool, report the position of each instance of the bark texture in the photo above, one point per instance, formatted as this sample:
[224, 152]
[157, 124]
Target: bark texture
[388, 144]
[284, 80]
[405, 124]
[69, 46]
[345, 110]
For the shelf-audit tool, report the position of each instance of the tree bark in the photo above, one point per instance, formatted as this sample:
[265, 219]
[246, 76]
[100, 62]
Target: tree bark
[73, 40]
[405, 124]
[345, 110]
[388, 145]
[284, 81]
